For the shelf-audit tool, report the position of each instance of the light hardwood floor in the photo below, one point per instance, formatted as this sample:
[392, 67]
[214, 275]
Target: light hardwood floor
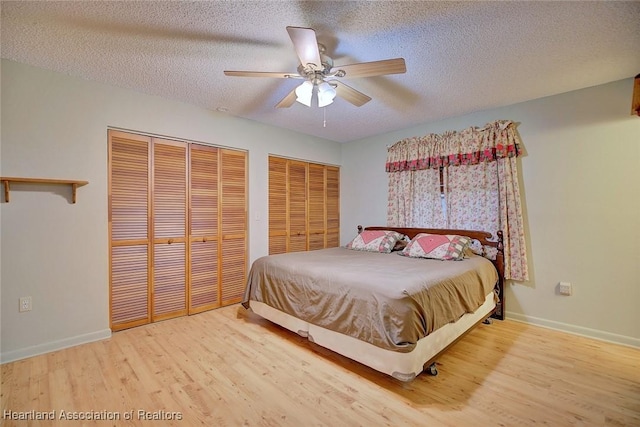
[228, 367]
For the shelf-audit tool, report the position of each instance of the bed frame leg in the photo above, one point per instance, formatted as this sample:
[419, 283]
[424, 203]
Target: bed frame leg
[432, 369]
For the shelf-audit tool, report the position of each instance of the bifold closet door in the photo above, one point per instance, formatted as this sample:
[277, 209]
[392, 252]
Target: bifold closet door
[233, 206]
[317, 207]
[177, 228]
[204, 291]
[333, 206]
[169, 201]
[278, 206]
[129, 245]
[304, 205]
[297, 196]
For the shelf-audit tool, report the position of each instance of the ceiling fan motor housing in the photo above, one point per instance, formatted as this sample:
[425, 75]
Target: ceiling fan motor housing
[317, 73]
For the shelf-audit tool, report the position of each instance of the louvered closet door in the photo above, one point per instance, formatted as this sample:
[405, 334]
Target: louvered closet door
[204, 286]
[297, 206]
[169, 229]
[129, 230]
[317, 206]
[333, 206]
[233, 207]
[277, 205]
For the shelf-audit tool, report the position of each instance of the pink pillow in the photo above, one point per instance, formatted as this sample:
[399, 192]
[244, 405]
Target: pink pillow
[446, 247]
[375, 241]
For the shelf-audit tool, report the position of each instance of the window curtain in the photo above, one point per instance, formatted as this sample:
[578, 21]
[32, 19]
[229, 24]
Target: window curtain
[414, 199]
[480, 186]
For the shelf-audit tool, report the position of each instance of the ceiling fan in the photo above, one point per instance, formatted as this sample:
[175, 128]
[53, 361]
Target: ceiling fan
[319, 74]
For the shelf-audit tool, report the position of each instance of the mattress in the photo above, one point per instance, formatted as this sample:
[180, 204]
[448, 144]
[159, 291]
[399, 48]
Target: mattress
[384, 300]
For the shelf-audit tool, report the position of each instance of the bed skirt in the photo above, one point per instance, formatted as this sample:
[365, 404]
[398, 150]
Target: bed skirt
[402, 366]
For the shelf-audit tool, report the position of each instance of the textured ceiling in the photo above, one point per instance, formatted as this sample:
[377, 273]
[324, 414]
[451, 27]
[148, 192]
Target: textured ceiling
[460, 56]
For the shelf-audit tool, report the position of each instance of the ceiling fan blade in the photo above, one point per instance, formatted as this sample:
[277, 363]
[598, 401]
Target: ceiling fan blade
[350, 94]
[262, 74]
[288, 100]
[306, 45]
[375, 68]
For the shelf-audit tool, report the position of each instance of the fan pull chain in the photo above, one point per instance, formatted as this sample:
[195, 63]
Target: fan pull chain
[324, 113]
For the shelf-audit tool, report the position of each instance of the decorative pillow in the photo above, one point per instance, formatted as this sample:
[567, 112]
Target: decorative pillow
[478, 248]
[446, 247]
[375, 241]
[490, 253]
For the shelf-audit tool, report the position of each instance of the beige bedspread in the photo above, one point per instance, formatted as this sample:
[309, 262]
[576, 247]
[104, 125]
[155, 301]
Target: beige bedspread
[388, 300]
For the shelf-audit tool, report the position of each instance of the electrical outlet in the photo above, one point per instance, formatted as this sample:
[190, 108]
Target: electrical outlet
[564, 288]
[25, 304]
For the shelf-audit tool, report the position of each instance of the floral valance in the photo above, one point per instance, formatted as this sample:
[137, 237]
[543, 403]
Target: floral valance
[495, 140]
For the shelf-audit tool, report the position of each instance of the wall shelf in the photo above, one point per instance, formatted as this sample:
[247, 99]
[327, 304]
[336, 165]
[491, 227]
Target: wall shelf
[73, 183]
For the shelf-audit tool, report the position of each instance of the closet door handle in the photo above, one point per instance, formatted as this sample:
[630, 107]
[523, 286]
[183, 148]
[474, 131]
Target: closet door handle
[170, 241]
[204, 239]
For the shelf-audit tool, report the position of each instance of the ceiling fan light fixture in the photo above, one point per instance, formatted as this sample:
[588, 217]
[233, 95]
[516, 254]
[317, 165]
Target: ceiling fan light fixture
[326, 94]
[304, 92]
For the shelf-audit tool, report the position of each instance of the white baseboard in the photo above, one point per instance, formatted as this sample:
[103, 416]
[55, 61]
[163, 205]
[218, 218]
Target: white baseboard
[11, 356]
[575, 330]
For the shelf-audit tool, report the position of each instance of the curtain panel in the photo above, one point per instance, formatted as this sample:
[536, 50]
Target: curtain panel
[480, 186]
[415, 200]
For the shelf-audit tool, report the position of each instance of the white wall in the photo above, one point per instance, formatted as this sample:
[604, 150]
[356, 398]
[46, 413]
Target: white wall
[55, 126]
[580, 179]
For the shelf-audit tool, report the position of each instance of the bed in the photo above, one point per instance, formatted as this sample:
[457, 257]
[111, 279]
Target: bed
[395, 314]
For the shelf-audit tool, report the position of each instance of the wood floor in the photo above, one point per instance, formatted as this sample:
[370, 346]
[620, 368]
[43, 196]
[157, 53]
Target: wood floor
[228, 367]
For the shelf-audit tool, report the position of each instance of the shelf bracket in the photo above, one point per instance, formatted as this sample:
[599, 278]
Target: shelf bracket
[6, 190]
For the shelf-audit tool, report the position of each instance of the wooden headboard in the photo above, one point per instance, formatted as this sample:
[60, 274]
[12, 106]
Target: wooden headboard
[482, 236]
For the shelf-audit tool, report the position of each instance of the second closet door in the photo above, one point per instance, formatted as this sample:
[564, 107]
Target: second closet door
[233, 245]
[297, 206]
[169, 195]
[317, 204]
[332, 198]
[204, 254]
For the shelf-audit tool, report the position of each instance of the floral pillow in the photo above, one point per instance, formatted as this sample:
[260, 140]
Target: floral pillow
[446, 247]
[486, 251]
[375, 241]
[476, 247]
